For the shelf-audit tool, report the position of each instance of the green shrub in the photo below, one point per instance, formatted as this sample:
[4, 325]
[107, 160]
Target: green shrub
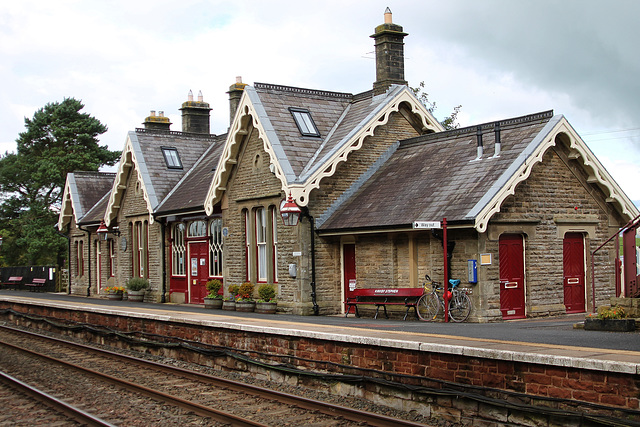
[245, 292]
[266, 292]
[213, 286]
[137, 284]
[615, 312]
[233, 291]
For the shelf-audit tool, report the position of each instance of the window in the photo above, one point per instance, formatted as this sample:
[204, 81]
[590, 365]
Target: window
[261, 243]
[171, 157]
[274, 229]
[80, 258]
[305, 123]
[112, 257]
[140, 230]
[197, 229]
[215, 248]
[178, 250]
[247, 243]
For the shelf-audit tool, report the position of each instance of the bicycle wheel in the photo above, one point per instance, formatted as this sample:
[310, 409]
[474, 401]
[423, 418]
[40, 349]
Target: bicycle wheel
[428, 306]
[459, 306]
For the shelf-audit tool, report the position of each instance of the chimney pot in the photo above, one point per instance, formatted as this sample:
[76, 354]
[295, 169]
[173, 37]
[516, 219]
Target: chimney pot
[190, 96]
[200, 99]
[152, 113]
[239, 79]
[388, 16]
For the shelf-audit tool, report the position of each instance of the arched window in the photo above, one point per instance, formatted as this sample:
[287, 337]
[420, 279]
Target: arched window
[197, 229]
[261, 243]
[178, 250]
[215, 247]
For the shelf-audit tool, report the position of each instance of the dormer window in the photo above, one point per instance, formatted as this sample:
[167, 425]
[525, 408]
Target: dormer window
[305, 123]
[171, 157]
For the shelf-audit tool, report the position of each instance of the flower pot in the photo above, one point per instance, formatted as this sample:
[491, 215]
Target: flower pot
[229, 305]
[611, 325]
[266, 307]
[136, 296]
[245, 306]
[213, 303]
[114, 296]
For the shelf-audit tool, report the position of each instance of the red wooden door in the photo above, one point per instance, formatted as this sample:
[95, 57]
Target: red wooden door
[198, 271]
[511, 255]
[349, 266]
[573, 267]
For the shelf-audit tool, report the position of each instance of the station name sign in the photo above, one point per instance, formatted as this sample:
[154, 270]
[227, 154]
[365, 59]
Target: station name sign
[427, 224]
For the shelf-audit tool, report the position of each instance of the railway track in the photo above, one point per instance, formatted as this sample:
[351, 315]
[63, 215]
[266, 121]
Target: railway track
[125, 390]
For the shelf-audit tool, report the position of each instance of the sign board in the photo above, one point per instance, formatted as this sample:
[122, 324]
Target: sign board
[427, 224]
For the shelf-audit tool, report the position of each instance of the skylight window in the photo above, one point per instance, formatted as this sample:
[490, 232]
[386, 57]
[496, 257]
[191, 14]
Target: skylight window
[304, 122]
[171, 157]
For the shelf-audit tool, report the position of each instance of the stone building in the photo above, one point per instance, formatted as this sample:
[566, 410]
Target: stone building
[524, 199]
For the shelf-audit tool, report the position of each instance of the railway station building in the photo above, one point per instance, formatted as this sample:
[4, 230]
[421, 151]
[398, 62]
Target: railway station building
[524, 200]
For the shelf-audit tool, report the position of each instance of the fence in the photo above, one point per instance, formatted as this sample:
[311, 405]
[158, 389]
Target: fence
[48, 272]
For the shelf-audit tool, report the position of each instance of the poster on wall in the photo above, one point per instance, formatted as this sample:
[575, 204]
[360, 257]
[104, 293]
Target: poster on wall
[194, 266]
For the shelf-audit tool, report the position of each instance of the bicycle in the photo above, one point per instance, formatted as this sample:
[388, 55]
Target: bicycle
[429, 304]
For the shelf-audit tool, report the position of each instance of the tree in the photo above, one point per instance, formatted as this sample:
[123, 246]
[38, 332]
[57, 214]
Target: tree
[58, 139]
[448, 122]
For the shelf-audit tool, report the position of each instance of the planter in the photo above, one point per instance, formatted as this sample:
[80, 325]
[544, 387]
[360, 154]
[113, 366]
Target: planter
[266, 307]
[114, 296]
[136, 296]
[213, 303]
[229, 305]
[611, 325]
[246, 306]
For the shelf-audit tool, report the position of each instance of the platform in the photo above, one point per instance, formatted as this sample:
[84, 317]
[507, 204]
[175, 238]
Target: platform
[546, 341]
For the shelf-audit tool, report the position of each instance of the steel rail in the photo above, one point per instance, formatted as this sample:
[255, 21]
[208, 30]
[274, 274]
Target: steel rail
[70, 411]
[289, 399]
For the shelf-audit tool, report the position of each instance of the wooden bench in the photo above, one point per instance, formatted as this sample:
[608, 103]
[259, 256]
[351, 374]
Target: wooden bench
[13, 281]
[407, 297]
[36, 284]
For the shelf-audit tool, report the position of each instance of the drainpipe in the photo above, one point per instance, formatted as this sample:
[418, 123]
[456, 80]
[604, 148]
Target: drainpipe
[163, 226]
[89, 258]
[312, 225]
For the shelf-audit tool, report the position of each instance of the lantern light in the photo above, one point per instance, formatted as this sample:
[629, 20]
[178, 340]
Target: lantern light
[102, 231]
[290, 212]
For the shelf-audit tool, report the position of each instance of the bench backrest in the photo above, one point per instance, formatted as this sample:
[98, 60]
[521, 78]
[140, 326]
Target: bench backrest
[388, 292]
[15, 278]
[39, 281]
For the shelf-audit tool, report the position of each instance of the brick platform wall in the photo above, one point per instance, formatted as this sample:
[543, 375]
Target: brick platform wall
[529, 383]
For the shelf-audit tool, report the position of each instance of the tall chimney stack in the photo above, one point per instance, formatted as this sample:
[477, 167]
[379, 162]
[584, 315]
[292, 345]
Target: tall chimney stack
[388, 39]
[195, 115]
[235, 93]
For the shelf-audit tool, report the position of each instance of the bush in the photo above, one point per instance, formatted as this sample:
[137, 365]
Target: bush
[137, 284]
[266, 292]
[233, 291]
[615, 312]
[245, 292]
[213, 286]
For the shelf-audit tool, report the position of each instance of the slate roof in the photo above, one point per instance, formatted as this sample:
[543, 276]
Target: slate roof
[190, 192]
[96, 214]
[160, 179]
[91, 187]
[435, 176]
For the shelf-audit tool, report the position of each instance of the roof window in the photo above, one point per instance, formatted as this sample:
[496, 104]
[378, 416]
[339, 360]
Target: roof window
[172, 158]
[304, 122]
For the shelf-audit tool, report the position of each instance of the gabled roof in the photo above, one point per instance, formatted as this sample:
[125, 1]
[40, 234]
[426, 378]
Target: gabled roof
[81, 192]
[189, 194]
[143, 152]
[301, 162]
[439, 176]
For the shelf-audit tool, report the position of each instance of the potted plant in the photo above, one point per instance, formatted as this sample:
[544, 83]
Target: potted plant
[244, 299]
[136, 287]
[611, 319]
[266, 303]
[114, 292]
[229, 302]
[213, 299]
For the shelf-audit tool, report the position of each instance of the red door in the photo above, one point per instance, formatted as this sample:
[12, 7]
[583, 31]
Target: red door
[349, 266]
[573, 266]
[198, 271]
[511, 254]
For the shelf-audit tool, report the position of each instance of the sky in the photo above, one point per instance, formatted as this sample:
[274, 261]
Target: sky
[497, 58]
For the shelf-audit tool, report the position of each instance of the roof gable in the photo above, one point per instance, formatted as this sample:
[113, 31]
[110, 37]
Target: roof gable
[299, 162]
[436, 176]
[81, 192]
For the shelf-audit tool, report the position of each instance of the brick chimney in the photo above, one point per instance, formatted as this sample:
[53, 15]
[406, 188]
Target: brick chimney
[235, 93]
[389, 44]
[195, 115]
[159, 122]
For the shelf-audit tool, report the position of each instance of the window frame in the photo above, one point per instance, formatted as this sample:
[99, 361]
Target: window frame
[261, 235]
[178, 249]
[305, 123]
[216, 246]
[111, 248]
[172, 157]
